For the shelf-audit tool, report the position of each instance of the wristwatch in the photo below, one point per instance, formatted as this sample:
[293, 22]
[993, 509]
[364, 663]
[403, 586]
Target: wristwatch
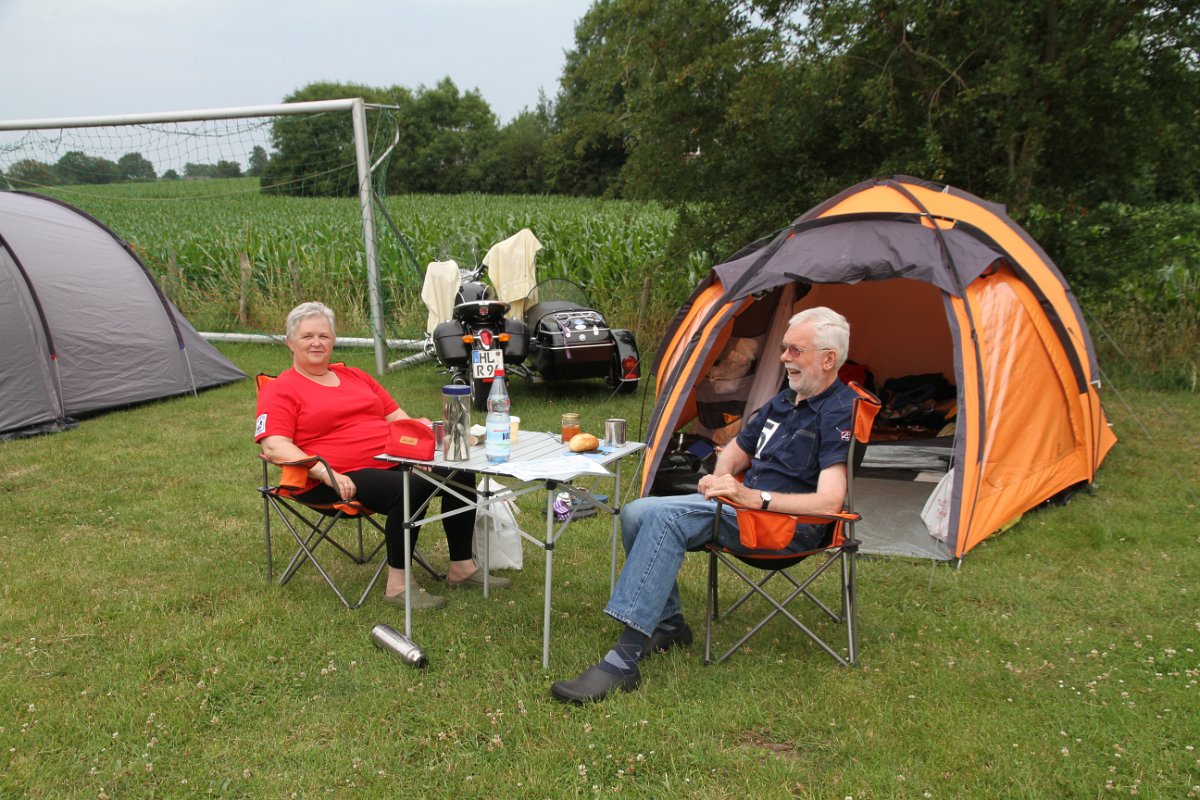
[766, 498]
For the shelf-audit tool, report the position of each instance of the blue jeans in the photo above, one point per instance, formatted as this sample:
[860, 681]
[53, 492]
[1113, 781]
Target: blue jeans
[657, 533]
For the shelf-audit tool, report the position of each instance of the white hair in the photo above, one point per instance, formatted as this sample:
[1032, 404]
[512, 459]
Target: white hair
[830, 330]
[307, 311]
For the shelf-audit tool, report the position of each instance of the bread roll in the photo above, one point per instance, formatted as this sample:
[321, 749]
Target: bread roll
[583, 442]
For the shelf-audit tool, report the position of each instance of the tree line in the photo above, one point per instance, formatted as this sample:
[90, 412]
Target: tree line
[743, 113]
[77, 167]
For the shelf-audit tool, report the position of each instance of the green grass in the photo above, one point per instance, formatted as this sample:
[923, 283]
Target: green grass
[143, 653]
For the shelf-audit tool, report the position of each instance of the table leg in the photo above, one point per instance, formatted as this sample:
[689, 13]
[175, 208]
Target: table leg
[408, 581]
[616, 527]
[549, 545]
[488, 521]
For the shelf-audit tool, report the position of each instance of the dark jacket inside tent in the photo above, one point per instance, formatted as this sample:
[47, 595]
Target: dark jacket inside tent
[85, 327]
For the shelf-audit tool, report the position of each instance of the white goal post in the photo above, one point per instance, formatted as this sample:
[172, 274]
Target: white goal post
[355, 106]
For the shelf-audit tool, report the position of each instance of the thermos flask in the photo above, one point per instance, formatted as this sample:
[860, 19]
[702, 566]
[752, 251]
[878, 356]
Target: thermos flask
[389, 639]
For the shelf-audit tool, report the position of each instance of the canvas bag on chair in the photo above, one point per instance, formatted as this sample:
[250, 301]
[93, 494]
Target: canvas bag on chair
[504, 551]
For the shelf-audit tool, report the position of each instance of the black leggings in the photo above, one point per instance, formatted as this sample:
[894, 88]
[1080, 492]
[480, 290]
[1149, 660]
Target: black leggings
[382, 491]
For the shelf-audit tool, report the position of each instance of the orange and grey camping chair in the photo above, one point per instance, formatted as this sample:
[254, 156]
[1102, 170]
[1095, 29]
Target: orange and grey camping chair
[776, 529]
[312, 524]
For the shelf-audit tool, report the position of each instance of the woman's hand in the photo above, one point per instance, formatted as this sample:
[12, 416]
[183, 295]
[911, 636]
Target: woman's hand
[342, 484]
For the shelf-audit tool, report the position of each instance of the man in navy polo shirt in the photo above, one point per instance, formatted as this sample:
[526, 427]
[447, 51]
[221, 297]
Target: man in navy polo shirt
[791, 457]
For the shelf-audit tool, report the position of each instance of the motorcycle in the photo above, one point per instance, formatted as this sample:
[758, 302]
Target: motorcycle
[559, 337]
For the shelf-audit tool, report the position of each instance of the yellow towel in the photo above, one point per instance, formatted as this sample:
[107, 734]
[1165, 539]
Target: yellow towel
[441, 284]
[512, 269]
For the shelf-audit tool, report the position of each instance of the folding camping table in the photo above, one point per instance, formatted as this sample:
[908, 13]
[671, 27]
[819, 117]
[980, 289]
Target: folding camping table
[540, 462]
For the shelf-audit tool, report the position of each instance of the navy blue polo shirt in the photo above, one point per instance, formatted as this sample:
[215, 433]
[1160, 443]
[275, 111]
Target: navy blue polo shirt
[790, 444]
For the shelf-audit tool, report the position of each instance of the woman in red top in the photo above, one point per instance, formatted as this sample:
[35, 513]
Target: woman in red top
[341, 414]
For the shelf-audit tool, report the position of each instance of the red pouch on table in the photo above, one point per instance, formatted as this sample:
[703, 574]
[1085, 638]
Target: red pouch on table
[410, 438]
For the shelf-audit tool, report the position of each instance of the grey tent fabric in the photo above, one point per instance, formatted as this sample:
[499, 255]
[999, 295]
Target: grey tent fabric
[85, 326]
[871, 248]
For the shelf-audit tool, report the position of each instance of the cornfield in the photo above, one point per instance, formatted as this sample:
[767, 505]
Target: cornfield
[192, 236]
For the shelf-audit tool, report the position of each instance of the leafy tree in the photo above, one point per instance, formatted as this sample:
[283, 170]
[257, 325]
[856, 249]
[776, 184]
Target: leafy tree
[258, 161]
[314, 154]
[589, 147]
[191, 170]
[692, 103]
[135, 167]
[745, 112]
[445, 137]
[28, 173]
[1067, 101]
[78, 167]
[518, 163]
[170, 175]
[446, 143]
[227, 169]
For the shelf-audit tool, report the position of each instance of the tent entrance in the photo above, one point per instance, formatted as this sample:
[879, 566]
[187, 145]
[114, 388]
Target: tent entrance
[898, 328]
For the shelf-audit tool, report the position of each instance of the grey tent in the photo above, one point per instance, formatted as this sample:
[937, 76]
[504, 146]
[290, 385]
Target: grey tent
[84, 325]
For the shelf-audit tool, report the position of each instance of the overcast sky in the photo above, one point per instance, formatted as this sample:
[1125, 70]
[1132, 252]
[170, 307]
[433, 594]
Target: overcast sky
[69, 58]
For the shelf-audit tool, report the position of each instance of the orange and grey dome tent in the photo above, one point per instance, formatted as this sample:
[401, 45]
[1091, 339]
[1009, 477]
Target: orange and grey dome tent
[931, 279]
[85, 327]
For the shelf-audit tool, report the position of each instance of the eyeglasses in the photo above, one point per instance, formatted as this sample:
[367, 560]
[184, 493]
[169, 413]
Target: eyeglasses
[795, 352]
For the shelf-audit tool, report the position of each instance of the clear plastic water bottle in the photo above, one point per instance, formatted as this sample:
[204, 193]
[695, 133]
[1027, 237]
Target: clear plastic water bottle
[497, 443]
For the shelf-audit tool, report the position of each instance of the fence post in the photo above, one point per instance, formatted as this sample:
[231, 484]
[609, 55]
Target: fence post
[243, 298]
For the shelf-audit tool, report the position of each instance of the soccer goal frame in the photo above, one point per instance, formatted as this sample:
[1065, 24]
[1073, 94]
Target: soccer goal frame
[356, 107]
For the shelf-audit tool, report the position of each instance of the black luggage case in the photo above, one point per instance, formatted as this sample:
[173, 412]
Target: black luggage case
[570, 341]
[449, 344]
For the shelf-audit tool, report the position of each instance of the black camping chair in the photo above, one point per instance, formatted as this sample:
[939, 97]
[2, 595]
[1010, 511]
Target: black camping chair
[841, 551]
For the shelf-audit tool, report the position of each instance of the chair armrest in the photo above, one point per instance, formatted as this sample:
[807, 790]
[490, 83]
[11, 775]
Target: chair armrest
[294, 474]
[842, 516]
[776, 519]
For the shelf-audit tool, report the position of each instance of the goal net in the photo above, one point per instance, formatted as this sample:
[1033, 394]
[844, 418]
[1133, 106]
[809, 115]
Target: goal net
[186, 190]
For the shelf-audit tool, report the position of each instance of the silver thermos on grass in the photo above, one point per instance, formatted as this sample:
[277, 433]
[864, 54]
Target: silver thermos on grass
[390, 640]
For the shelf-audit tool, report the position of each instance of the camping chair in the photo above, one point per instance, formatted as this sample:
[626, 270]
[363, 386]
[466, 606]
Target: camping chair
[841, 550]
[312, 524]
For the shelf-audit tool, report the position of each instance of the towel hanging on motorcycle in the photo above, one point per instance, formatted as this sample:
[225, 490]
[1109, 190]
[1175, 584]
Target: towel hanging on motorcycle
[512, 269]
[441, 284]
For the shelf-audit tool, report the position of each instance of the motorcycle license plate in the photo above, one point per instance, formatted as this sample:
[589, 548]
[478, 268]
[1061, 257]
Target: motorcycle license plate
[484, 363]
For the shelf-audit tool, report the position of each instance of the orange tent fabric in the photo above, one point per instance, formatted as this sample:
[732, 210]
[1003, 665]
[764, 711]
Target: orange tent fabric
[932, 279]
